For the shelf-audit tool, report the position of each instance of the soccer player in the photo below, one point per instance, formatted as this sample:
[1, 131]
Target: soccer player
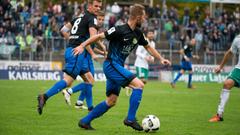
[233, 79]
[82, 28]
[87, 66]
[186, 64]
[143, 58]
[122, 40]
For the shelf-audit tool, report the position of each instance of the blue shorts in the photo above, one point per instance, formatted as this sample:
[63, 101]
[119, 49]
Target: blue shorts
[87, 66]
[73, 64]
[186, 65]
[117, 77]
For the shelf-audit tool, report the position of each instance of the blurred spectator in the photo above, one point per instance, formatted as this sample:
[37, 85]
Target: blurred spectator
[199, 39]
[197, 14]
[44, 19]
[20, 41]
[10, 38]
[150, 11]
[116, 9]
[236, 13]
[186, 17]
[157, 11]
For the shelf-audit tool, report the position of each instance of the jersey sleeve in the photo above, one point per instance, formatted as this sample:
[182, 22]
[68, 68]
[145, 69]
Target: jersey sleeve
[92, 22]
[142, 40]
[111, 33]
[235, 44]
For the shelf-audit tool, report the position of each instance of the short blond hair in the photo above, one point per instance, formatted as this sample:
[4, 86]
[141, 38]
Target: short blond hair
[136, 10]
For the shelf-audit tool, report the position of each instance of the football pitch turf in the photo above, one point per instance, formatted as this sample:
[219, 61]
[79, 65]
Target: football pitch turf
[181, 111]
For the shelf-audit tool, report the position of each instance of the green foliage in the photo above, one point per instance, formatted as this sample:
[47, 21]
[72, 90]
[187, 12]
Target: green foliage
[181, 111]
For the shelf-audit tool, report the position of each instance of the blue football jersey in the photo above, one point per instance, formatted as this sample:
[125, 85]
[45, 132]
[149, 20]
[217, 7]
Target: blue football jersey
[122, 40]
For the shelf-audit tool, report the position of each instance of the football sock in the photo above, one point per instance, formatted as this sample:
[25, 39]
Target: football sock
[134, 102]
[88, 94]
[82, 95]
[97, 111]
[77, 88]
[223, 100]
[57, 87]
[177, 77]
[189, 80]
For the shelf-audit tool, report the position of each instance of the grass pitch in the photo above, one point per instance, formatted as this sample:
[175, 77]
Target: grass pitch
[181, 111]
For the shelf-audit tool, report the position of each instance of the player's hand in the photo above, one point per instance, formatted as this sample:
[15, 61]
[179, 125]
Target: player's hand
[196, 57]
[78, 50]
[217, 69]
[105, 54]
[165, 62]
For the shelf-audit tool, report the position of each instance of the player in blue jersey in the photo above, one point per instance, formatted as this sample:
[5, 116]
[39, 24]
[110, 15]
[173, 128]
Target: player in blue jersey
[122, 40]
[186, 64]
[82, 28]
[87, 66]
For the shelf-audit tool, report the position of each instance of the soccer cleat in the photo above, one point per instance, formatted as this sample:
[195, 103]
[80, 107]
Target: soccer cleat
[67, 97]
[173, 85]
[216, 118]
[191, 87]
[80, 106]
[41, 103]
[134, 124]
[85, 126]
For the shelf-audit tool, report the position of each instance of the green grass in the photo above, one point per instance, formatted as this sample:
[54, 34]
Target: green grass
[181, 111]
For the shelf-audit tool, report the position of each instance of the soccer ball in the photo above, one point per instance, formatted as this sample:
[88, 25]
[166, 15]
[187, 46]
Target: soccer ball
[150, 123]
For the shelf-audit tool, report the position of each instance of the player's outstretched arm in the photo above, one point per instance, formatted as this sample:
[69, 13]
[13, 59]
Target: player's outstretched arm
[80, 48]
[157, 55]
[227, 55]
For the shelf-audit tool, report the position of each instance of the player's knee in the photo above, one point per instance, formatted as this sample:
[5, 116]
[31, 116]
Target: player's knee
[112, 100]
[68, 82]
[228, 84]
[182, 71]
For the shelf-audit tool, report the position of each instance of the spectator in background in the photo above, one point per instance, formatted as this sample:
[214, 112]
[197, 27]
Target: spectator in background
[33, 47]
[164, 13]
[168, 27]
[150, 11]
[20, 41]
[199, 38]
[197, 14]
[217, 12]
[44, 19]
[10, 38]
[186, 17]
[236, 14]
[157, 11]
[116, 9]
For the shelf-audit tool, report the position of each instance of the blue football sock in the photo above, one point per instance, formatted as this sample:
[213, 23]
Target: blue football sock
[89, 98]
[56, 88]
[82, 95]
[134, 102]
[79, 87]
[189, 80]
[178, 76]
[97, 111]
